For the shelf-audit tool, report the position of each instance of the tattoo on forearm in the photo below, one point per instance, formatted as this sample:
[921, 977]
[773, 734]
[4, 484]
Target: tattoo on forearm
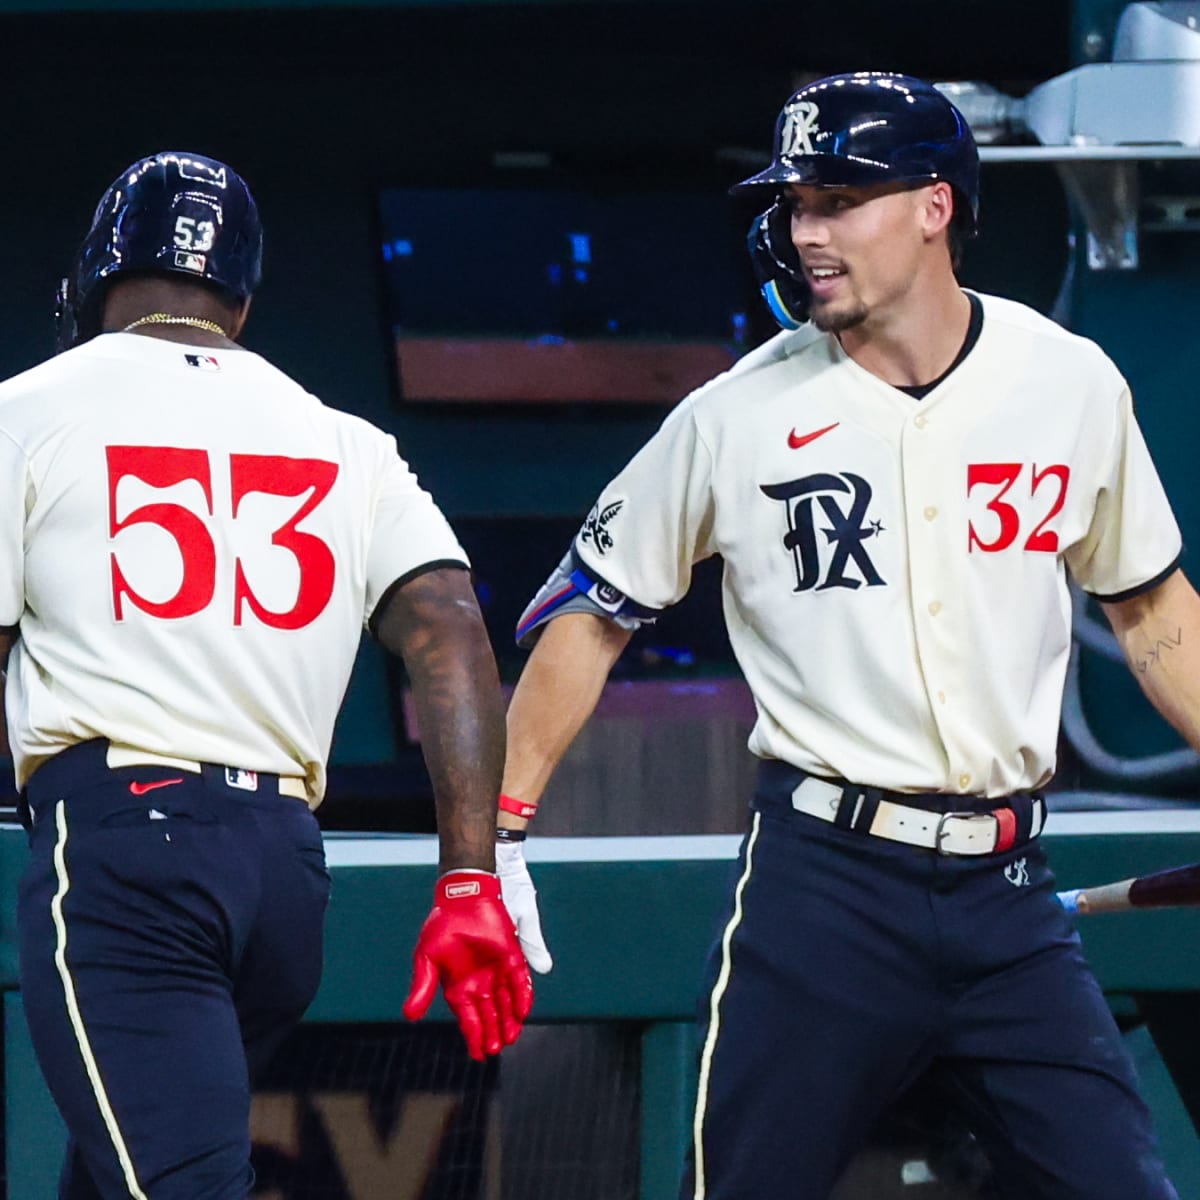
[1152, 657]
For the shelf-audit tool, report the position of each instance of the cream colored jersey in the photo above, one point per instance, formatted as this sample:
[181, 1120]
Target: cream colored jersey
[895, 569]
[191, 544]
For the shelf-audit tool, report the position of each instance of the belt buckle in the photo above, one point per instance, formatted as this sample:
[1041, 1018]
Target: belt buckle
[941, 834]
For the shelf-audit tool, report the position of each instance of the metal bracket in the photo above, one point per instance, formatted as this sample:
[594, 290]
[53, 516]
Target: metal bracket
[1103, 185]
[1106, 196]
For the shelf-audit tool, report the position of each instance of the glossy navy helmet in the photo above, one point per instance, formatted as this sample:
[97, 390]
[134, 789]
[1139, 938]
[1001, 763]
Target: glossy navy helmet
[175, 212]
[872, 127]
[851, 131]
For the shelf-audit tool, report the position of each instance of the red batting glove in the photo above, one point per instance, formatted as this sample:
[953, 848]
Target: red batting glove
[468, 941]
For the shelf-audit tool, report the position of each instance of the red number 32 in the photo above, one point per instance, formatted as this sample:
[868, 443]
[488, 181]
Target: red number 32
[1004, 476]
[166, 466]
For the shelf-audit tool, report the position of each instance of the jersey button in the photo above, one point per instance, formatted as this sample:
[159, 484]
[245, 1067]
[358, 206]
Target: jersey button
[920, 422]
[935, 607]
[941, 697]
[930, 513]
[964, 781]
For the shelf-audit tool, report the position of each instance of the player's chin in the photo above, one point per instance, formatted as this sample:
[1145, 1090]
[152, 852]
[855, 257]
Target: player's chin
[832, 317]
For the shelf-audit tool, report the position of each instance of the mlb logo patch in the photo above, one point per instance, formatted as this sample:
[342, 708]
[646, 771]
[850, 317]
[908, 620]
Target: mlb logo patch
[202, 362]
[247, 781]
[186, 261]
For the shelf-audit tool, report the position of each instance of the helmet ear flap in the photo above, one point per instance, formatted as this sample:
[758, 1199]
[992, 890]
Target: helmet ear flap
[777, 266]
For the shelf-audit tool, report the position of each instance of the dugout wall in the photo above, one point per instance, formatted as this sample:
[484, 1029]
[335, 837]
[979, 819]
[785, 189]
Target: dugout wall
[629, 921]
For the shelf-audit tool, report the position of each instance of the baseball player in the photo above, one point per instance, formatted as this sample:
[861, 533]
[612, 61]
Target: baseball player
[898, 486]
[189, 549]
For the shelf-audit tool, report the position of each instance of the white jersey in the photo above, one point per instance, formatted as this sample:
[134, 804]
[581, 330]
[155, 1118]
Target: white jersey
[191, 544]
[895, 569]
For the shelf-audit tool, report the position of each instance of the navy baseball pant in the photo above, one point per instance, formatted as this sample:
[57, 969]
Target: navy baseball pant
[170, 936]
[849, 965]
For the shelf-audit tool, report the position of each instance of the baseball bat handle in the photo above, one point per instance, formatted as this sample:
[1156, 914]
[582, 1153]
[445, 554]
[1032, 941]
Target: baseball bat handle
[1175, 887]
[1111, 897]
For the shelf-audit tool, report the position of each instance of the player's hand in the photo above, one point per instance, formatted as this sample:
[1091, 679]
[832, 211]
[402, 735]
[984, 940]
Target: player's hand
[1070, 900]
[520, 898]
[468, 943]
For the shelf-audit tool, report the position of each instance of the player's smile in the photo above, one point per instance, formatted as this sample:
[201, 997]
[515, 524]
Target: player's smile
[825, 279]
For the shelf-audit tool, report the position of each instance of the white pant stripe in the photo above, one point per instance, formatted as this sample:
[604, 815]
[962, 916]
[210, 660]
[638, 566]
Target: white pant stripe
[81, 1037]
[714, 1011]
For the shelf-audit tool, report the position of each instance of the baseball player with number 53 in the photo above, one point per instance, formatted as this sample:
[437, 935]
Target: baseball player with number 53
[190, 546]
[898, 484]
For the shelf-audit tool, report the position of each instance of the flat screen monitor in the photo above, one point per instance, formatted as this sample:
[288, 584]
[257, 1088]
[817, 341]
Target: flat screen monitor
[555, 295]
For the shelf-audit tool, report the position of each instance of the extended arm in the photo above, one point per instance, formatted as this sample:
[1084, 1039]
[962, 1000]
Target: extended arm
[555, 695]
[1159, 633]
[433, 622]
[468, 941]
[630, 560]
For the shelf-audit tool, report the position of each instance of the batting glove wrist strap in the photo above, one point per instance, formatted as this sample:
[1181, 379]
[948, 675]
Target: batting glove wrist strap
[469, 945]
[466, 883]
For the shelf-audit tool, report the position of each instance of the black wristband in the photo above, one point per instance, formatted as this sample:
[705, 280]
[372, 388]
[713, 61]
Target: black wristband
[509, 835]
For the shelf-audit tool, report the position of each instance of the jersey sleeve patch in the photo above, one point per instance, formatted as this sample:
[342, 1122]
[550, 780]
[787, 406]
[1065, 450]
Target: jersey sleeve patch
[573, 587]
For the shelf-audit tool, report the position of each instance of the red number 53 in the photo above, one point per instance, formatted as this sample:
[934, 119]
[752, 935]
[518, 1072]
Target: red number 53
[1007, 516]
[166, 466]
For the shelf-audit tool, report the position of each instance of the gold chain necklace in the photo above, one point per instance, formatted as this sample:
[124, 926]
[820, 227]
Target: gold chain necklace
[160, 318]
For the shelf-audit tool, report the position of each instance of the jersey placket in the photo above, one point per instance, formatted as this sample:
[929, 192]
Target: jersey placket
[934, 577]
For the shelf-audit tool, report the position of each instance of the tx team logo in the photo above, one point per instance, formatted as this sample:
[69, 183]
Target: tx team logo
[595, 529]
[1017, 872]
[799, 125]
[835, 508]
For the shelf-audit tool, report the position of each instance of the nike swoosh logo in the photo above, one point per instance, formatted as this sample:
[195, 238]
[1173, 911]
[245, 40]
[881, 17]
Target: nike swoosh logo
[140, 789]
[796, 441]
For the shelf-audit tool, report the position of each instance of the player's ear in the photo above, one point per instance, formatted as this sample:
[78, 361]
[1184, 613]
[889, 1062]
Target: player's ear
[937, 208]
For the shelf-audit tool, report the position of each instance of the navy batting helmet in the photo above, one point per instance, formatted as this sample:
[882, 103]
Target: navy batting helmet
[850, 131]
[872, 127]
[175, 212]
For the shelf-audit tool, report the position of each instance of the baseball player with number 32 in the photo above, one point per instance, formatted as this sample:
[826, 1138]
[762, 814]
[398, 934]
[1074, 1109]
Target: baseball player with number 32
[898, 485]
[190, 545]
